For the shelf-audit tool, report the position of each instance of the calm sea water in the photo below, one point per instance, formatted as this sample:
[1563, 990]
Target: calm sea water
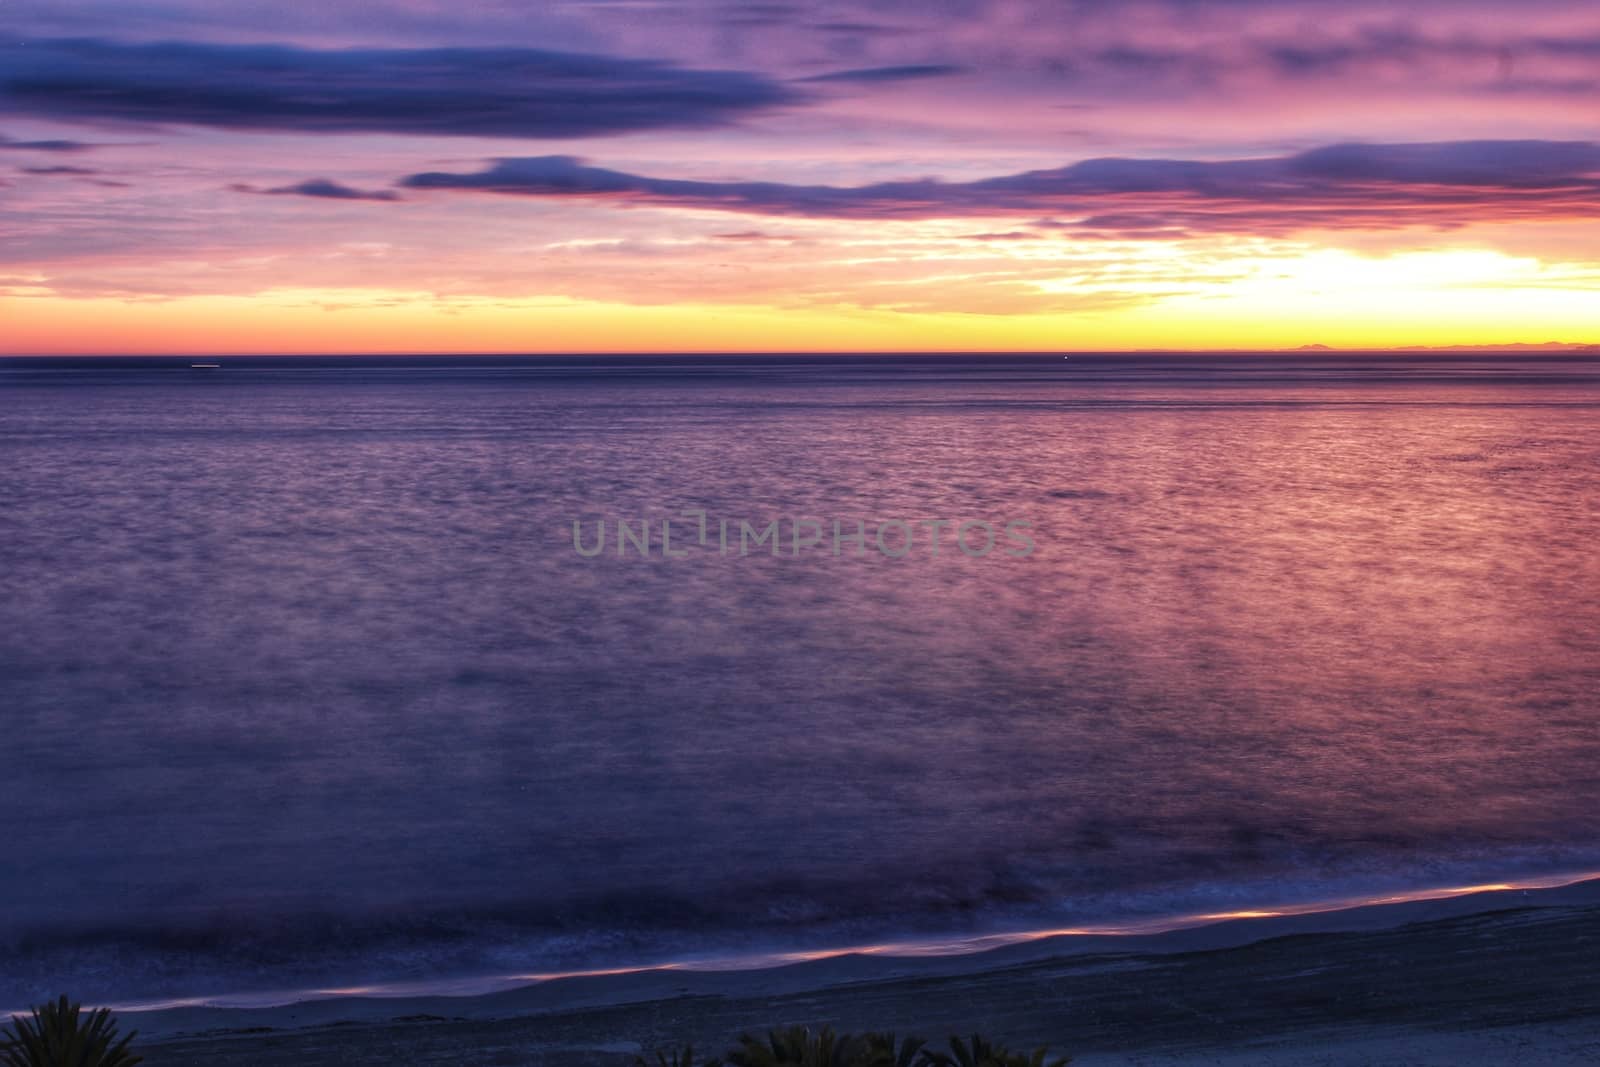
[303, 682]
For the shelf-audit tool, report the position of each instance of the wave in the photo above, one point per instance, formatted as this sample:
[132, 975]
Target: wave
[248, 959]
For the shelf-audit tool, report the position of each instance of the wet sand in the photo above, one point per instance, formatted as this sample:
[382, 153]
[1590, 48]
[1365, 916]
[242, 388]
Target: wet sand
[1492, 978]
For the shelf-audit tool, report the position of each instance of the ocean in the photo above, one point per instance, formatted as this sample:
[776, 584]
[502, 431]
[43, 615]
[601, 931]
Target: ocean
[312, 676]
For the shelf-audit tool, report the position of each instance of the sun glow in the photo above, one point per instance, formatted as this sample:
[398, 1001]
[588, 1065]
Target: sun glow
[1337, 272]
[1033, 295]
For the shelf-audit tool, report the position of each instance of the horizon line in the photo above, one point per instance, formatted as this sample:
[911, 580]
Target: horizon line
[1551, 347]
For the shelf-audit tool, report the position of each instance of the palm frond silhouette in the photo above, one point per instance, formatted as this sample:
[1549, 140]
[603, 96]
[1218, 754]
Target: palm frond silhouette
[796, 1046]
[61, 1035]
[979, 1052]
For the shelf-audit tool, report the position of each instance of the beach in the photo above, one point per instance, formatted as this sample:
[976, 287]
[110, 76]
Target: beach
[1486, 978]
[365, 736]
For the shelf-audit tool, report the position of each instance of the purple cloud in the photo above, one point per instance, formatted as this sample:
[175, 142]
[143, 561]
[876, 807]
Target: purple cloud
[460, 92]
[43, 146]
[1354, 186]
[321, 189]
[872, 75]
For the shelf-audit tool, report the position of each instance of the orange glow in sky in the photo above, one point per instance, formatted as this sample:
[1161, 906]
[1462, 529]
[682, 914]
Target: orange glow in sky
[1026, 176]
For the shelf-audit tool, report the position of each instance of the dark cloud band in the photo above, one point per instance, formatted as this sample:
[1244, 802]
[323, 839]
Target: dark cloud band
[1339, 186]
[320, 189]
[6, 143]
[481, 92]
[874, 75]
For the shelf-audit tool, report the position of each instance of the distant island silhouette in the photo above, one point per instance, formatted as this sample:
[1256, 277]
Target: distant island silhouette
[1517, 346]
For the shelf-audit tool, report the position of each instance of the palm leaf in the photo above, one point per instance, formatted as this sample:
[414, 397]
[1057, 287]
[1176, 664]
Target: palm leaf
[60, 1035]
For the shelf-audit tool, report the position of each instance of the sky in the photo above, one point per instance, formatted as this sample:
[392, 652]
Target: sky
[183, 176]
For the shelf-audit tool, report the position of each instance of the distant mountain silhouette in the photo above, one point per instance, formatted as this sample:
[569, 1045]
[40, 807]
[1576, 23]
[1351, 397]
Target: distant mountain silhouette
[1516, 346]
[1520, 346]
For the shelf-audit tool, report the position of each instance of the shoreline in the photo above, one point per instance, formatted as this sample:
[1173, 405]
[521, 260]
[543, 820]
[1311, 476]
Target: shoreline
[942, 955]
[1528, 945]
